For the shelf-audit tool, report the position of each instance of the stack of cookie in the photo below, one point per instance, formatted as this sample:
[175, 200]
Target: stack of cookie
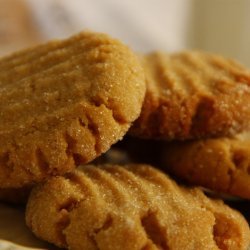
[201, 103]
[65, 103]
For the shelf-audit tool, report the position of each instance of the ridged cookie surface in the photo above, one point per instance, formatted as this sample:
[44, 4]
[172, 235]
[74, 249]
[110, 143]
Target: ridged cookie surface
[64, 103]
[193, 95]
[135, 207]
[221, 164]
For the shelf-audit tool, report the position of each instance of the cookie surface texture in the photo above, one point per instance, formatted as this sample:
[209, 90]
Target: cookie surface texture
[220, 164]
[193, 95]
[64, 103]
[133, 207]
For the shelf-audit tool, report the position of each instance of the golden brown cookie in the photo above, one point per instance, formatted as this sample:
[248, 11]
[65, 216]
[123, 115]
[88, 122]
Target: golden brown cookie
[134, 207]
[221, 164]
[63, 104]
[193, 95]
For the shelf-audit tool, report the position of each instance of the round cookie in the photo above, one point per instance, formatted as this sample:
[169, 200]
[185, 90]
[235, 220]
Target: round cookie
[193, 95]
[64, 103]
[110, 206]
[221, 164]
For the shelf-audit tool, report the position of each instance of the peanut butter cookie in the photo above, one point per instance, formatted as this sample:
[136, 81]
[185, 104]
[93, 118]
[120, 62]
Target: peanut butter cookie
[135, 207]
[63, 104]
[193, 95]
[221, 164]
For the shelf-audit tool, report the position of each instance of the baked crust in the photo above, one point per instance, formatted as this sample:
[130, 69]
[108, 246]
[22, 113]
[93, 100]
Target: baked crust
[64, 103]
[133, 207]
[193, 95]
[220, 164]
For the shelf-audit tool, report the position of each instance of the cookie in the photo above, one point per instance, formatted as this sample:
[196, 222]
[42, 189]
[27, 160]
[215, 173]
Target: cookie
[220, 164]
[137, 206]
[64, 103]
[193, 95]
